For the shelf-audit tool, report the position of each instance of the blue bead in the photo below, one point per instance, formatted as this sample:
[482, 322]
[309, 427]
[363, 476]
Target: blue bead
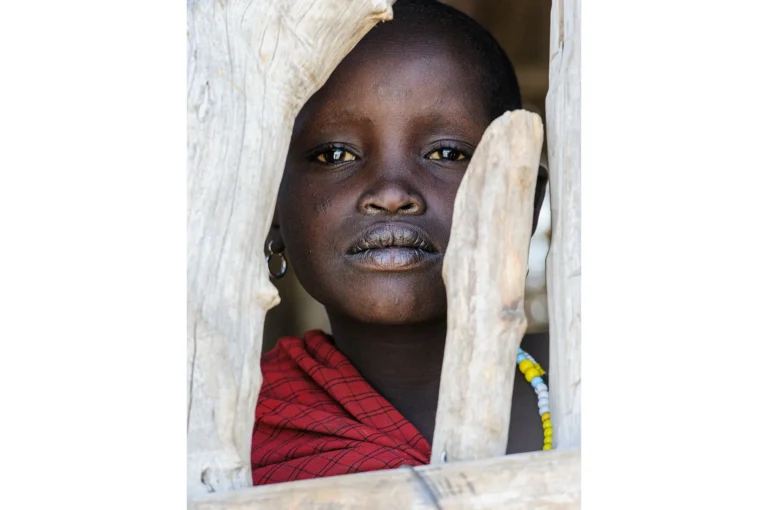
[536, 381]
[520, 358]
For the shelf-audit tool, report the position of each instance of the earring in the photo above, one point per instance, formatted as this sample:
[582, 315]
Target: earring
[283, 262]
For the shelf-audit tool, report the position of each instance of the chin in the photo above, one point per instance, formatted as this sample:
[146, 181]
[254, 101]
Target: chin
[402, 309]
[397, 299]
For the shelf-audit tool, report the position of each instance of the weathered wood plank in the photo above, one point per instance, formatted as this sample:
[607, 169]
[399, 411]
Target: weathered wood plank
[252, 64]
[484, 272]
[531, 481]
[564, 260]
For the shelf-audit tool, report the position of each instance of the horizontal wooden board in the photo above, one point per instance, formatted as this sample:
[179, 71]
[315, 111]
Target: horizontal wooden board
[532, 481]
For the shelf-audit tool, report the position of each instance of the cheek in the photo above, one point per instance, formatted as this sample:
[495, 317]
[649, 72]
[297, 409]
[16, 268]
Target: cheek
[322, 205]
[303, 228]
[445, 203]
[306, 217]
[449, 202]
[303, 237]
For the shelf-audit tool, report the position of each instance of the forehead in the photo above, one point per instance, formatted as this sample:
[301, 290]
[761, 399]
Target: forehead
[417, 76]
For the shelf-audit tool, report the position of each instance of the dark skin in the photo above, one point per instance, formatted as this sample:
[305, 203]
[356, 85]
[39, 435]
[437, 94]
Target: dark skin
[386, 142]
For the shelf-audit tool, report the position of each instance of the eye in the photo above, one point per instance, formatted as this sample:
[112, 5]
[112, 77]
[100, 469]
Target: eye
[446, 154]
[331, 156]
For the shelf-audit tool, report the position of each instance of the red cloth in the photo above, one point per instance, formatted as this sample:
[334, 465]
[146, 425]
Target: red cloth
[316, 416]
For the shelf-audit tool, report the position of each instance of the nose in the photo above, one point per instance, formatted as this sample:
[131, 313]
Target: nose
[391, 198]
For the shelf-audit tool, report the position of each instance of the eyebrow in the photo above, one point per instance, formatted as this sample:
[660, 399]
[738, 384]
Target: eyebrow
[432, 118]
[344, 116]
[457, 117]
[340, 117]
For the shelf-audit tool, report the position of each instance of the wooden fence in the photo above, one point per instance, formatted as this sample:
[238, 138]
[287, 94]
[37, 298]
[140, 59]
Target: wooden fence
[251, 66]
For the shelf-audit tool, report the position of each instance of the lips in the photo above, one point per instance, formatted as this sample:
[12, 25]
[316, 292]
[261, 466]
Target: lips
[392, 247]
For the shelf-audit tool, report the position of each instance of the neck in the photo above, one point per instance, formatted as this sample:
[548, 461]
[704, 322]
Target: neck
[402, 363]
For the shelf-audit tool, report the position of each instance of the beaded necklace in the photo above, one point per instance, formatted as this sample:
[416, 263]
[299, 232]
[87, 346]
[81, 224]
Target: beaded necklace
[533, 372]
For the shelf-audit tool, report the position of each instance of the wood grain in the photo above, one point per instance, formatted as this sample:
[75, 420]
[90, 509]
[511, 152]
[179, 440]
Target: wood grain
[531, 481]
[564, 260]
[251, 66]
[484, 272]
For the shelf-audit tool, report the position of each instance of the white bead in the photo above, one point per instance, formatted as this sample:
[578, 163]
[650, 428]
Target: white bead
[543, 410]
[543, 402]
[541, 388]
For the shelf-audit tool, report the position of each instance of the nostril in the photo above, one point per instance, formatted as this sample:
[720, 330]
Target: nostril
[373, 208]
[391, 199]
[411, 208]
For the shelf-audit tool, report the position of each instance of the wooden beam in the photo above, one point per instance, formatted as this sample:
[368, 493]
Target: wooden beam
[251, 65]
[531, 481]
[564, 261]
[484, 272]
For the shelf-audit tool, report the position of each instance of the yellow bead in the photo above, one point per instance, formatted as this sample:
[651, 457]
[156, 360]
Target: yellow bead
[548, 439]
[547, 424]
[541, 370]
[547, 447]
[525, 365]
[530, 374]
[545, 417]
[547, 432]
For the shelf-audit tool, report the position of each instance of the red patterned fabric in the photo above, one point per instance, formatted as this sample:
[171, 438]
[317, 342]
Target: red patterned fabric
[316, 416]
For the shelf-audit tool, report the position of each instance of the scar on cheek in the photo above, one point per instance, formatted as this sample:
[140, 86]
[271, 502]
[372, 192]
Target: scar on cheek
[323, 205]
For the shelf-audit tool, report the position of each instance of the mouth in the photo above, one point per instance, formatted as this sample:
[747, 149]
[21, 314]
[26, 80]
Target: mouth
[392, 247]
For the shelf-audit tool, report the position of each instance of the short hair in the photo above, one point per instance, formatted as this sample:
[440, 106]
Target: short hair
[497, 74]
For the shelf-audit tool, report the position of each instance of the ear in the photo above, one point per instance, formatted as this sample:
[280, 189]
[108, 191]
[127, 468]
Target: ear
[275, 237]
[541, 191]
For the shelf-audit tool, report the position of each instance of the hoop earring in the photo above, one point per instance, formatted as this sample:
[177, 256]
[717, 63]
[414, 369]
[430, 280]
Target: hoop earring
[283, 262]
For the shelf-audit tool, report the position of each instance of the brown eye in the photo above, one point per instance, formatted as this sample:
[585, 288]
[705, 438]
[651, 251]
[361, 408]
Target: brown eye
[446, 154]
[335, 156]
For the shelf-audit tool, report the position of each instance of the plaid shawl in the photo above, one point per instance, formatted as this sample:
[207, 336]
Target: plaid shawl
[316, 416]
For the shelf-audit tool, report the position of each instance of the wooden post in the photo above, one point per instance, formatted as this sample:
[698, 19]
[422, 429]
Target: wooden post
[564, 260]
[529, 481]
[251, 66]
[484, 272]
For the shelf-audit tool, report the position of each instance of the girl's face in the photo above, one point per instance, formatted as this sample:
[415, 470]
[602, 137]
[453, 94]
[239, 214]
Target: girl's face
[375, 161]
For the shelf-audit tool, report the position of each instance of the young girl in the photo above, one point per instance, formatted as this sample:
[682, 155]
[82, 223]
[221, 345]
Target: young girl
[363, 217]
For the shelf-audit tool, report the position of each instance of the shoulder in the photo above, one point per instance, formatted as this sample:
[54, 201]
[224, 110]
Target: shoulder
[291, 363]
[288, 349]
